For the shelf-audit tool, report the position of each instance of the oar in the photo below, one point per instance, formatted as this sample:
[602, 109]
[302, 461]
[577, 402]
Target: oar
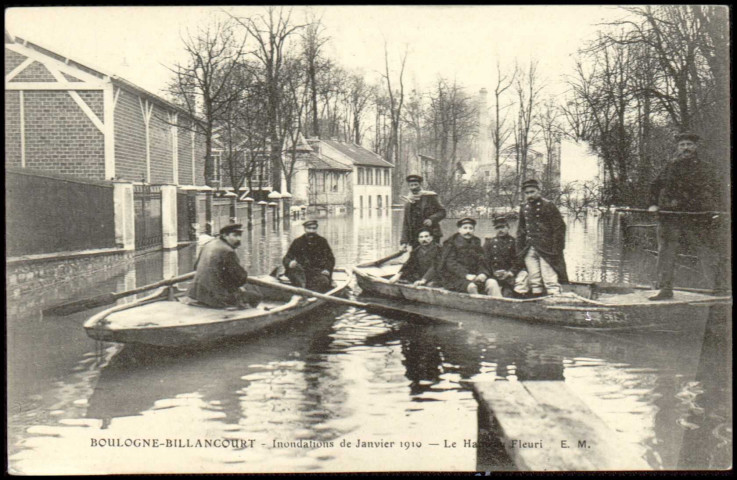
[669, 212]
[109, 298]
[369, 307]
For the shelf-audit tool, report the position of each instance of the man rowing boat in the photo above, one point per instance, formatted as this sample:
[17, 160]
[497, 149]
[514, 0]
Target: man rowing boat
[688, 184]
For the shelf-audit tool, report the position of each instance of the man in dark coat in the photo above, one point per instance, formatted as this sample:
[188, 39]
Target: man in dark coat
[309, 261]
[421, 267]
[541, 236]
[462, 266]
[219, 274]
[688, 184]
[510, 277]
[423, 209]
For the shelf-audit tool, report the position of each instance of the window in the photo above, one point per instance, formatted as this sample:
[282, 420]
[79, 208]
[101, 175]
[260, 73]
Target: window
[386, 202]
[386, 176]
[216, 156]
[378, 176]
[378, 201]
[333, 181]
[369, 201]
[360, 176]
[370, 179]
[320, 182]
[360, 202]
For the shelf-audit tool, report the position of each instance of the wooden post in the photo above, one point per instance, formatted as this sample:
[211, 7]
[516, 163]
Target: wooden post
[169, 233]
[249, 203]
[263, 211]
[123, 207]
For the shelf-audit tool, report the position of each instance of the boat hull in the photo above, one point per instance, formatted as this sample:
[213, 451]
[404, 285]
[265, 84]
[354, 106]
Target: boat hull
[159, 321]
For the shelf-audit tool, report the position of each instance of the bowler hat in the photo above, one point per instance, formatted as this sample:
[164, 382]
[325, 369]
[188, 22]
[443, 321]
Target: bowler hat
[464, 221]
[230, 228]
[310, 223]
[687, 136]
[414, 178]
[500, 220]
[531, 183]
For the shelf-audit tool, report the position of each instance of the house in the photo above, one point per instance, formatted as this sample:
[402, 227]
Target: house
[319, 180]
[369, 183]
[63, 116]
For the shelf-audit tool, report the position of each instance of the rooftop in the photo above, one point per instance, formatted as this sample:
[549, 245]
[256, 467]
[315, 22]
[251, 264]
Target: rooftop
[358, 154]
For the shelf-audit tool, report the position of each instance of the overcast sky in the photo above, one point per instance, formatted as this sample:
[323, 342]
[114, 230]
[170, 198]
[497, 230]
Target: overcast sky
[461, 42]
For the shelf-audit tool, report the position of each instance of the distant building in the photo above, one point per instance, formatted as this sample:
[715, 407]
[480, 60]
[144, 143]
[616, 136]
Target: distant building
[65, 117]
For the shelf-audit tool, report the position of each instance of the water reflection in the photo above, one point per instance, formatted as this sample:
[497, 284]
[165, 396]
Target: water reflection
[345, 374]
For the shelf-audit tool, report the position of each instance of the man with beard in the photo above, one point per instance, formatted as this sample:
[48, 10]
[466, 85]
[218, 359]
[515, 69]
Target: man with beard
[219, 276]
[688, 184]
[309, 261]
[462, 266]
[421, 268]
[423, 210]
[501, 257]
[541, 235]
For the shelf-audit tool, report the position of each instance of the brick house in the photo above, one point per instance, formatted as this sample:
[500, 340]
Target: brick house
[64, 117]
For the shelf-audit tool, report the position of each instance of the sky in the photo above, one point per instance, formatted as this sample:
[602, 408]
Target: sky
[456, 42]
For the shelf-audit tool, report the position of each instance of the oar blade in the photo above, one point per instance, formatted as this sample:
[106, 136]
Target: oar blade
[81, 305]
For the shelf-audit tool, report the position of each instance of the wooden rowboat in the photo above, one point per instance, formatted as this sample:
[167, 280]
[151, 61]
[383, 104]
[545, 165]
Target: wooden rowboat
[588, 305]
[169, 318]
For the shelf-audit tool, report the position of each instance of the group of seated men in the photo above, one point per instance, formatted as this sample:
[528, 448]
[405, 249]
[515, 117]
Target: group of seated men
[530, 265]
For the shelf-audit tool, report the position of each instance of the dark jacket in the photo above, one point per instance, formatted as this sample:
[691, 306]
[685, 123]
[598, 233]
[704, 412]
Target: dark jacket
[686, 185]
[313, 253]
[218, 276]
[461, 257]
[415, 213]
[422, 264]
[541, 226]
[501, 254]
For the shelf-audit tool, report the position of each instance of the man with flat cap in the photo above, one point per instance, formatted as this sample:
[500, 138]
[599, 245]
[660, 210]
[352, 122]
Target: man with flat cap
[462, 265]
[219, 279]
[421, 267]
[509, 276]
[541, 238]
[688, 185]
[309, 261]
[423, 210]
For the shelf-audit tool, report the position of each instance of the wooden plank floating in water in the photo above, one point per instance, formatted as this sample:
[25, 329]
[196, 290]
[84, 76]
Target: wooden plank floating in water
[545, 427]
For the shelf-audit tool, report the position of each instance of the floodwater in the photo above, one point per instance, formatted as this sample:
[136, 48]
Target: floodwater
[350, 391]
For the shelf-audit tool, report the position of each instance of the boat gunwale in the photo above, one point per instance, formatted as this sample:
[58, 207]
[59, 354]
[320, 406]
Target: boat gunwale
[292, 303]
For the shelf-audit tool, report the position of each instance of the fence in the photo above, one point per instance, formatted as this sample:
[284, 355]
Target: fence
[147, 207]
[47, 213]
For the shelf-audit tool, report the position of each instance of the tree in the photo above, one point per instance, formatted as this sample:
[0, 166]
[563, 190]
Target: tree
[272, 32]
[500, 131]
[548, 121]
[313, 39]
[528, 88]
[395, 99]
[205, 84]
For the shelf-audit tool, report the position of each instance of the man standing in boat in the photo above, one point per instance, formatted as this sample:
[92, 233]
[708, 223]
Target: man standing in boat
[421, 268]
[423, 210]
[309, 261]
[219, 279]
[510, 279]
[689, 187]
[462, 265]
[541, 235]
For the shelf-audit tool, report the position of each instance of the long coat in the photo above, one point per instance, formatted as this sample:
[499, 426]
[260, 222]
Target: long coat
[501, 254]
[541, 226]
[422, 264]
[461, 257]
[312, 252]
[219, 275]
[686, 185]
[426, 207]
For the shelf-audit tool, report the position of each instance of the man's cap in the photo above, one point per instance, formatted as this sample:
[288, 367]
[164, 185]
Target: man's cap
[686, 136]
[464, 221]
[233, 227]
[424, 229]
[310, 223]
[531, 182]
[414, 178]
[500, 220]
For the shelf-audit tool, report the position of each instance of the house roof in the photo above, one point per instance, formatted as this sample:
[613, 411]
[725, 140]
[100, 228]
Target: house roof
[323, 162]
[358, 154]
[92, 70]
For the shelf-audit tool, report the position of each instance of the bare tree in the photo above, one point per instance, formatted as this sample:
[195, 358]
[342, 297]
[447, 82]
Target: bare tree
[528, 88]
[204, 84]
[548, 121]
[396, 102]
[272, 32]
[313, 39]
[500, 131]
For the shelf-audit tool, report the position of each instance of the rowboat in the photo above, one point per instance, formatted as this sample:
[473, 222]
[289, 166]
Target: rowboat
[586, 305]
[169, 318]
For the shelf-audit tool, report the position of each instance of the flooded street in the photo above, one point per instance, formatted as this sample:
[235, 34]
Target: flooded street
[350, 391]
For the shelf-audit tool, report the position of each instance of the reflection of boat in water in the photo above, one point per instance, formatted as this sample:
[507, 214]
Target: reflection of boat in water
[168, 319]
[139, 376]
[588, 305]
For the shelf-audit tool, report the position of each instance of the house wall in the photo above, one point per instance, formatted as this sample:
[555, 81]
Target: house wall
[362, 191]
